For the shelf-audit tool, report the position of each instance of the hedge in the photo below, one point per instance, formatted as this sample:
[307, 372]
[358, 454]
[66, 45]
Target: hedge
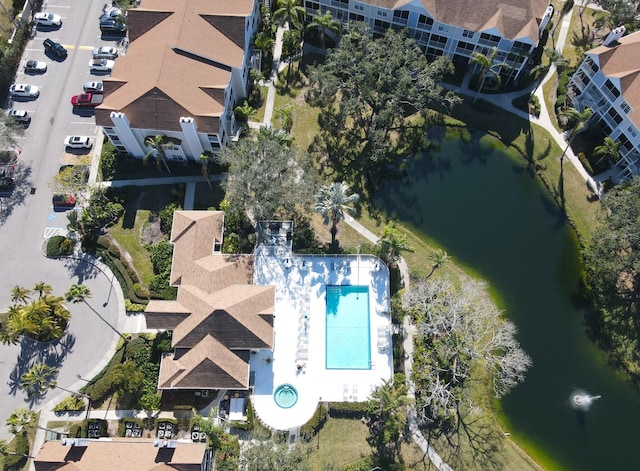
[59, 246]
[21, 447]
[70, 403]
[353, 410]
[315, 423]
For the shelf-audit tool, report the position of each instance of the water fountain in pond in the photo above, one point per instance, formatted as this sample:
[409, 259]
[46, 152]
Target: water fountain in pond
[581, 400]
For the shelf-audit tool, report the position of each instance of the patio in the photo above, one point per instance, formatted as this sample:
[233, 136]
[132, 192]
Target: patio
[298, 357]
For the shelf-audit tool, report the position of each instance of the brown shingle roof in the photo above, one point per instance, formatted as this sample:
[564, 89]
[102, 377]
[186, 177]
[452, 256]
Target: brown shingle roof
[219, 315]
[239, 316]
[178, 63]
[515, 19]
[209, 364]
[120, 453]
[620, 60]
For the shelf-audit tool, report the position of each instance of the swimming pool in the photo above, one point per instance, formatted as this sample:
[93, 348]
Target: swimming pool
[348, 340]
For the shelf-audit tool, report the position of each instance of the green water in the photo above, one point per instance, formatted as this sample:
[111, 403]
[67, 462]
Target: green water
[490, 214]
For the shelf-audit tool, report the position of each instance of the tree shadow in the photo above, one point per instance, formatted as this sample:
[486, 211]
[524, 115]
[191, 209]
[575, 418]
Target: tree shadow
[81, 269]
[23, 187]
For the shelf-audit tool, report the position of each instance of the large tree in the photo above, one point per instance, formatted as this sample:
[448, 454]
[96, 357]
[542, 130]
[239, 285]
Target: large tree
[612, 262]
[375, 97]
[333, 201]
[266, 178]
[462, 340]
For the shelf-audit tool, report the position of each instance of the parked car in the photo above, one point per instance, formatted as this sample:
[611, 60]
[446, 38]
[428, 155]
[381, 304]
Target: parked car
[111, 13]
[23, 90]
[64, 201]
[87, 100]
[21, 116]
[35, 67]
[47, 19]
[93, 87]
[101, 65]
[105, 52]
[54, 48]
[114, 27]
[78, 142]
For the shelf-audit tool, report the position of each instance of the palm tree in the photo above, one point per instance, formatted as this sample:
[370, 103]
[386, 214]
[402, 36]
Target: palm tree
[391, 244]
[268, 133]
[438, 259]
[158, 144]
[38, 379]
[609, 150]
[20, 294]
[43, 288]
[323, 23]
[332, 201]
[25, 418]
[19, 419]
[579, 120]
[386, 410]
[289, 11]
[204, 160]
[244, 112]
[487, 66]
[265, 43]
[285, 113]
[78, 294]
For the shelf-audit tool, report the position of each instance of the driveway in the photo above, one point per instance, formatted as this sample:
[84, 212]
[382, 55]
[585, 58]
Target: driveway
[27, 216]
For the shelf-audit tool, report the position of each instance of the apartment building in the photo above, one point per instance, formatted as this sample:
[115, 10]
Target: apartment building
[186, 67]
[608, 82]
[454, 28]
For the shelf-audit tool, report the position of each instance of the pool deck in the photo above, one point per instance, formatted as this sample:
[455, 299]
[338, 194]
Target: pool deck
[300, 291]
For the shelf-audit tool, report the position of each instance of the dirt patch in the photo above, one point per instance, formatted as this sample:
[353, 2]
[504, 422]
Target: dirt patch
[75, 159]
[151, 233]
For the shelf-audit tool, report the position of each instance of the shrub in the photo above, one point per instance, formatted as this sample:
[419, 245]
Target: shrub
[161, 255]
[21, 447]
[59, 246]
[75, 431]
[108, 161]
[71, 403]
[353, 410]
[133, 307]
[166, 217]
[315, 423]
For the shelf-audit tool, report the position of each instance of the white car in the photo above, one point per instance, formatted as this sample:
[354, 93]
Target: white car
[23, 90]
[21, 116]
[105, 52]
[35, 67]
[92, 87]
[78, 142]
[47, 19]
[101, 65]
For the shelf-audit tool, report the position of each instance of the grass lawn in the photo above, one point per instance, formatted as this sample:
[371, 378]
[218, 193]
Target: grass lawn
[139, 202]
[342, 441]
[6, 27]
[259, 116]
[582, 34]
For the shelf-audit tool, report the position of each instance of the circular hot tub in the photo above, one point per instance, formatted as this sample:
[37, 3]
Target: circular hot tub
[285, 396]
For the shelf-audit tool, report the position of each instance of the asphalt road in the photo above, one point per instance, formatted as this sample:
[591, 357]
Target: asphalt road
[27, 216]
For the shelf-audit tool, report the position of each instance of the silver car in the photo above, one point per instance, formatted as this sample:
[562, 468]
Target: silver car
[105, 52]
[21, 116]
[23, 90]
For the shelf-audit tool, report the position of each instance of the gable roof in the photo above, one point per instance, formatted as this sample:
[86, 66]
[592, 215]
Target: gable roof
[514, 19]
[219, 315]
[178, 63]
[209, 362]
[120, 453]
[620, 60]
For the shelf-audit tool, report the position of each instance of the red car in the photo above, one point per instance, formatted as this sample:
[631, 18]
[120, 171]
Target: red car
[64, 201]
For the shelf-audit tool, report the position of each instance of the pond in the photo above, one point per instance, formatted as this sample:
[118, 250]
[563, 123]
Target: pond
[488, 212]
